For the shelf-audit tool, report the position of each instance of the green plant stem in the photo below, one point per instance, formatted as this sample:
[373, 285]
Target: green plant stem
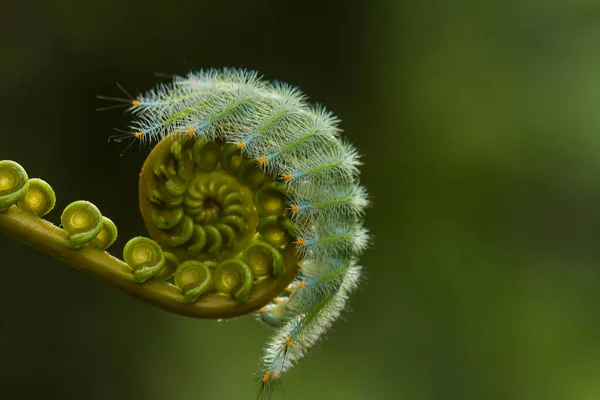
[44, 236]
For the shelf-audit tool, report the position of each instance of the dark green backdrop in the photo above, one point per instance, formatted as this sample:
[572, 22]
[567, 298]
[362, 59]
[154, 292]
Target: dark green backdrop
[479, 124]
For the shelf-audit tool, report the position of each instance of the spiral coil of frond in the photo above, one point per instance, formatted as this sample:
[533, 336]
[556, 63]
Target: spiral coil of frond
[252, 202]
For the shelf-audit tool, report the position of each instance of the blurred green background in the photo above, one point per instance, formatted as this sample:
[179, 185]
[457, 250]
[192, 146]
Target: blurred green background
[479, 126]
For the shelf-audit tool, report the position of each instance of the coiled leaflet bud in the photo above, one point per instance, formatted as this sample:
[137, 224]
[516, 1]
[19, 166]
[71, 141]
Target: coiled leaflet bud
[83, 222]
[39, 199]
[145, 257]
[107, 235]
[14, 184]
[193, 278]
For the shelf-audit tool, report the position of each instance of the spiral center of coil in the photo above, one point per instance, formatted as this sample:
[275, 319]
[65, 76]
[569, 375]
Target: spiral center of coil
[197, 206]
[206, 203]
[212, 206]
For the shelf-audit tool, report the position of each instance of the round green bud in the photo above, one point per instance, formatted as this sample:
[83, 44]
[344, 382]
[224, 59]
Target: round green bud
[264, 260]
[270, 199]
[40, 199]
[107, 235]
[234, 277]
[145, 257]
[206, 154]
[171, 264]
[194, 278]
[83, 222]
[14, 184]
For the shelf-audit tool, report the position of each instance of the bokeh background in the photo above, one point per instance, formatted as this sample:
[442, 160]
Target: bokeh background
[479, 124]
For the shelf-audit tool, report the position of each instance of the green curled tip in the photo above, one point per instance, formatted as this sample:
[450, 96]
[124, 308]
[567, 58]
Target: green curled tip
[231, 159]
[206, 154]
[215, 240]
[185, 165]
[271, 199]
[227, 189]
[250, 174]
[276, 231]
[107, 235]
[40, 199]
[176, 151]
[162, 172]
[234, 277]
[264, 259]
[167, 219]
[194, 278]
[171, 264]
[175, 187]
[162, 199]
[198, 240]
[233, 198]
[235, 221]
[212, 265]
[83, 222]
[185, 168]
[145, 257]
[14, 184]
[228, 233]
[182, 233]
[237, 209]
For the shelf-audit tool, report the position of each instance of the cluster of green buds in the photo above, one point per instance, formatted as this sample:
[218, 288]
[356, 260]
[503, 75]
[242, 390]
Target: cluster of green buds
[225, 220]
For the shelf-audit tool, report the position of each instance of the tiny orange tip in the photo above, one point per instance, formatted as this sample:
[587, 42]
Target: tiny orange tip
[266, 377]
[262, 160]
[276, 376]
[300, 241]
[288, 341]
[240, 145]
[302, 285]
[299, 265]
[139, 134]
[191, 131]
[136, 103]
[287, 177]
[295, 207]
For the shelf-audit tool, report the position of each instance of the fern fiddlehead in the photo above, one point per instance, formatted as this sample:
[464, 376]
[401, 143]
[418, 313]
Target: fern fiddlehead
[252, 201]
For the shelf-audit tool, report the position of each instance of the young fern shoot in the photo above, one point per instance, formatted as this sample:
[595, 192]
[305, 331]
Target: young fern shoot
[298, 148]
[253, 204]
[251, 197]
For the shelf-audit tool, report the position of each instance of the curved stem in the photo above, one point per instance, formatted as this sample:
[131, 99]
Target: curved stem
[44, 236]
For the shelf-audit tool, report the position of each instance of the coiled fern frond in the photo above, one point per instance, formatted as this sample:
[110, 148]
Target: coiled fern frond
[252, 202]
